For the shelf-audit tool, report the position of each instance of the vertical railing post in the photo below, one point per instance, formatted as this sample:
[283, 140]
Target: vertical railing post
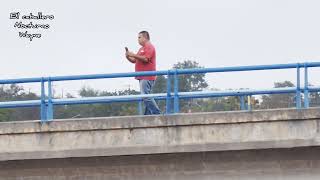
[242, 103]
[306, 88]
[43, 111]
[298, 91]
[249, 103]
[50, 105]
[168, 98]
[140, 102]
[176, 90]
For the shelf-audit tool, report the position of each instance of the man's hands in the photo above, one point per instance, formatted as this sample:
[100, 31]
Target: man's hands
[132, 57]
[130, 54]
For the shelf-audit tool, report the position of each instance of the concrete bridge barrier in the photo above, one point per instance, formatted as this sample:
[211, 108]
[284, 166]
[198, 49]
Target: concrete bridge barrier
[270, 144]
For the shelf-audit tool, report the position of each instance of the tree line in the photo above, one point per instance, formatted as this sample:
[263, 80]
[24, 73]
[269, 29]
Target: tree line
[187, 83]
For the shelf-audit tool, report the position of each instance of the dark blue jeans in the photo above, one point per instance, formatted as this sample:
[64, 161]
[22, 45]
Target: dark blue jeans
[150, 103]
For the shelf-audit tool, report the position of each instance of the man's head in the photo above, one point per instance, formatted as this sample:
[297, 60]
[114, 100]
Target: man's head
[143, 37]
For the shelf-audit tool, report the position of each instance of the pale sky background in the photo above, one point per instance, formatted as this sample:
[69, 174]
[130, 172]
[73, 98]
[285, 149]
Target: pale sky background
[88, 37]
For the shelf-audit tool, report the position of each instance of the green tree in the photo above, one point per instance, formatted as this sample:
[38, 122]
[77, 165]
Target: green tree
[88, 92]
[279, 100]
[5, 115]
[190, 82]
[187, 83]
[98, 110]
[219, 104]
[17, 93]
[314, 98]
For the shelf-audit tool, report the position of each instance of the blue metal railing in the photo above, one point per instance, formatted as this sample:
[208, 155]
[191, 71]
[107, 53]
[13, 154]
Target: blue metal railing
[47, 102]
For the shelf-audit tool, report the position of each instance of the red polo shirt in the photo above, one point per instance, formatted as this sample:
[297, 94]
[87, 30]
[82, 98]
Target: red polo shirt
[149, 52]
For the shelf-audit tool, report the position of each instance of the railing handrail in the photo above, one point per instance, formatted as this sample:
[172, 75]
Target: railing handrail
[161, 72]
[47, 101]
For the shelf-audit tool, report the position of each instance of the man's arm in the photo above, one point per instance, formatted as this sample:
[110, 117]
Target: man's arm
[137, 57]
[131, 59]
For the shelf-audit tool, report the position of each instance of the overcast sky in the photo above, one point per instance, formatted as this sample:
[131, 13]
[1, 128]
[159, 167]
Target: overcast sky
[88, 37]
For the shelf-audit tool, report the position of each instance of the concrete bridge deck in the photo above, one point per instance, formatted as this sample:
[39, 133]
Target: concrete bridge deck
[271, 144]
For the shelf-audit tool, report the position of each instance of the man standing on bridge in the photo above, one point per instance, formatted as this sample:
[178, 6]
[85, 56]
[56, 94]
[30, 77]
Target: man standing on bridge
[145, 60]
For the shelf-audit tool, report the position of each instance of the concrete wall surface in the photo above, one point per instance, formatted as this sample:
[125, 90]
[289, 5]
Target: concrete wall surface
[182, 133]
[267, 164]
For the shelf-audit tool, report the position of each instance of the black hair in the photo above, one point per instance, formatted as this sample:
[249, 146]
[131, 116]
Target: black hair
[145, 34]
